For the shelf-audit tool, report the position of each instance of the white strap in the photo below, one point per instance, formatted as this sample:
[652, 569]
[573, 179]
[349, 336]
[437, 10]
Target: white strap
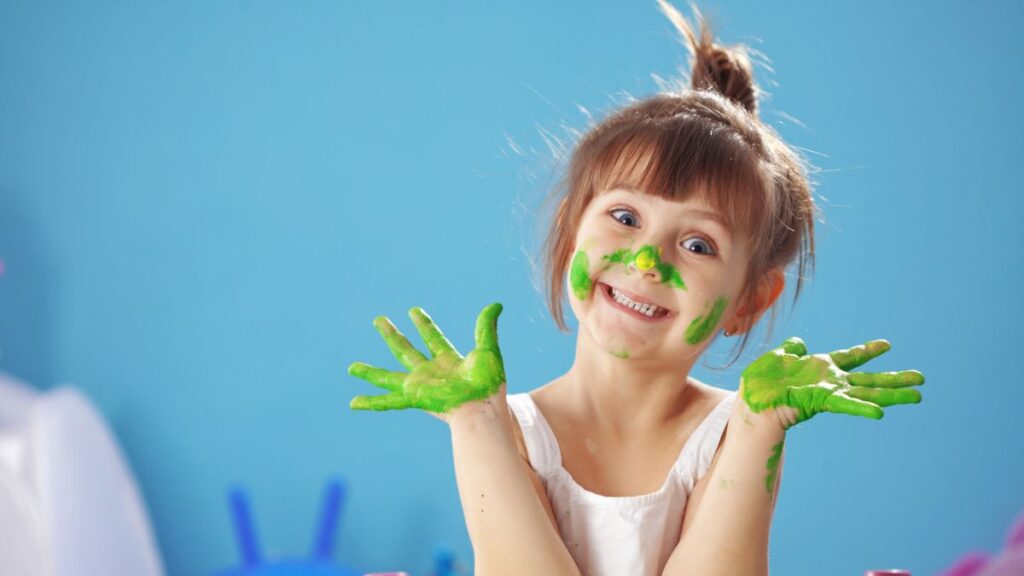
[541, 444]
[700, 448]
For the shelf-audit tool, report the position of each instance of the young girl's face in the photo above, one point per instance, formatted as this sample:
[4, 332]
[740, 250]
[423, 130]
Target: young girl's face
[652, 278]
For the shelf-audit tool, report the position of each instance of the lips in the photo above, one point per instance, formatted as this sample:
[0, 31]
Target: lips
[634, 304]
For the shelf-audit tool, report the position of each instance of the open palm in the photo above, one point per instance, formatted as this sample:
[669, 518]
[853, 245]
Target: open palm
[810, 384]
[442, 382]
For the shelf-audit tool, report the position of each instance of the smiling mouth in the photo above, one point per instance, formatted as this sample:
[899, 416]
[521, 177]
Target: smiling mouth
[630, 304]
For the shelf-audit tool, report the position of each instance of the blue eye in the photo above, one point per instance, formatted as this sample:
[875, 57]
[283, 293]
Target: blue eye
[624, 216]
[698, 245]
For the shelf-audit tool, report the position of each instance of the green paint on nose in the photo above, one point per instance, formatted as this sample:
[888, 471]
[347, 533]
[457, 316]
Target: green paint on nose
[702, 326]
[646, 258]
[623, 354]
[579, 275]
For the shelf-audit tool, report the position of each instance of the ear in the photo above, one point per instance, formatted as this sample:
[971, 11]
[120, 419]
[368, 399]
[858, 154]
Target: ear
[768, 290]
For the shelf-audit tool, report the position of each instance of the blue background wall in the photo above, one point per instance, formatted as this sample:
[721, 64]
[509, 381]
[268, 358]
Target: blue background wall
[204, 204]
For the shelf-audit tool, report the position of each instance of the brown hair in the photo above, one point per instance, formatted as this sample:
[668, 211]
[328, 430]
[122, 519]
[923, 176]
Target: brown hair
[706, 140]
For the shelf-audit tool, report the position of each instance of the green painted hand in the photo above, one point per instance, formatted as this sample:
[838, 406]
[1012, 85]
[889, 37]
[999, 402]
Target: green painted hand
[442, 382]
[808, 384]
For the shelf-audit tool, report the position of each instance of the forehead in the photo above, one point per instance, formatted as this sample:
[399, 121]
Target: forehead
[695, 204]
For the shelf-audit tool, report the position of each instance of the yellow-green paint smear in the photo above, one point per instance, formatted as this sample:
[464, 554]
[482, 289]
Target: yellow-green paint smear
[773, 466]
[645, 258]
[704, 325]
[579, 275]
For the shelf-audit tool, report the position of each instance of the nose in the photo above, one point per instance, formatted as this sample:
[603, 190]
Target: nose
[647, 259]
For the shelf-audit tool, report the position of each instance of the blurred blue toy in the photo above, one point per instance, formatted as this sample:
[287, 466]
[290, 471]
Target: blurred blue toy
[318, 564]
[444, 562]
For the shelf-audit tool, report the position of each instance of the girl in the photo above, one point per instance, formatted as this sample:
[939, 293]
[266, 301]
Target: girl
[678, 217]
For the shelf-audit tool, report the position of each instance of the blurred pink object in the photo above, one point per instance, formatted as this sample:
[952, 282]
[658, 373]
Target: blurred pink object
[968, 564]
[1009, 562]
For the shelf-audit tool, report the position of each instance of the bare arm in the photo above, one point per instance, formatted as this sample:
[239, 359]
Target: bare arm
[728, 515]
[509, 520]
[507, 511]
[725, 528]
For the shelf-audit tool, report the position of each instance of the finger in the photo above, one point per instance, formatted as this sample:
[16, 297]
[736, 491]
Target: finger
[400, 347]
[900, 379]
[852, 357]
[385, 379]
[886, 396]
[390, 401]
[794, 345]
[431, 334]
[841, 404]
[487, 327]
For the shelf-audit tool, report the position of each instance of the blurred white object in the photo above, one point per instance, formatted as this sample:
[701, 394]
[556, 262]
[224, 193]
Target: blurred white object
[69, 504]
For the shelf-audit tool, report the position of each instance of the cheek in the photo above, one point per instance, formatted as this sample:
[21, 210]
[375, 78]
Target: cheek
[580, 282]
[704, 325]
[575, 304]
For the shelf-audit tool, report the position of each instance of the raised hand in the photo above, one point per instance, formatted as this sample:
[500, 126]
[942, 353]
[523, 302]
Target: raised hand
[442, 382]
[808, 384]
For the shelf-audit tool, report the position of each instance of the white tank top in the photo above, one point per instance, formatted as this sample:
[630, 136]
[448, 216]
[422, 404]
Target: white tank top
[615, 535]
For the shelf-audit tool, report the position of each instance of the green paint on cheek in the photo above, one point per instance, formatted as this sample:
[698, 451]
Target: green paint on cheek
[624, 354]
[624, 256]
[702, 327]
[773, 466]
[670, 276]
[579, 275]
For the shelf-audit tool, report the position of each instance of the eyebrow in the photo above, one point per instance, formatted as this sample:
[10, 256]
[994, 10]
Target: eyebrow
[710, 215]
[698, 212]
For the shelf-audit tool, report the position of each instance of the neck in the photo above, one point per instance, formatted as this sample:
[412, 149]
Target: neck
[626, 394]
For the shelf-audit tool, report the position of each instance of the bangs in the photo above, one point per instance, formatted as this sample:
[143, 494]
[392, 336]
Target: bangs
[676, 160]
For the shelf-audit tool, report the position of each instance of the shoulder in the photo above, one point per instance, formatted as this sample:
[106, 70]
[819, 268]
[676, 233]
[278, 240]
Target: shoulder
[524, 409]
[706, 396]
[538, 405]
[517, 429]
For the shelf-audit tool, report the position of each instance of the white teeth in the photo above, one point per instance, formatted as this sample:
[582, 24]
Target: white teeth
[646, 309]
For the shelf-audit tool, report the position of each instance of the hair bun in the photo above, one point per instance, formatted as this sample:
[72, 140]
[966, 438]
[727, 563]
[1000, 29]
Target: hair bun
[724, 69]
